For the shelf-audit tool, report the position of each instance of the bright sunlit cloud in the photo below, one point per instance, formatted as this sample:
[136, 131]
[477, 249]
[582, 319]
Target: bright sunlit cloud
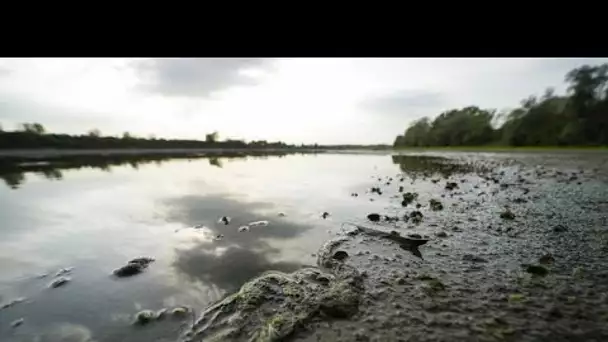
[324, 100]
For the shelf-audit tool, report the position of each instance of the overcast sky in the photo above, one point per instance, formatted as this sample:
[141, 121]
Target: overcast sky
[325, 100]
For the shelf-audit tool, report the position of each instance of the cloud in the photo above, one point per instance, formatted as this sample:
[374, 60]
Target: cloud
[398, 102]
[197, 77]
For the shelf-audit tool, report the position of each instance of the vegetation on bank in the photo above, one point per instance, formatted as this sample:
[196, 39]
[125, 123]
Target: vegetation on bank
[578, 118]
[35, 136]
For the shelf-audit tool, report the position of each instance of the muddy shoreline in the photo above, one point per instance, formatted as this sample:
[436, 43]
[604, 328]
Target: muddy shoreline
[516, 251]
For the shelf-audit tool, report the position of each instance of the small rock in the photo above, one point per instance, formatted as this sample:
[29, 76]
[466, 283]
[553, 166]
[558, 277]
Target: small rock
[546, 259]
[144, 317]
[325, 214]
[507, 215]
[224, 219]
[435, 205]
[473, 258]
[179, 311]
[340, 255]
[64, 271]
[129, 270]
[373, 217]
[59, 282]
[12, 302]
[283, 214]
[451, 185]
[415, 236]
[559, 228]
[441, 234]
[17, 322]
[537, 270]
[244, 229]
[258, 223]
[160, 314]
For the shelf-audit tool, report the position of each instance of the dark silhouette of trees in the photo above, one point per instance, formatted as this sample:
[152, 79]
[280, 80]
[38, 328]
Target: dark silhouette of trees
[578, 118]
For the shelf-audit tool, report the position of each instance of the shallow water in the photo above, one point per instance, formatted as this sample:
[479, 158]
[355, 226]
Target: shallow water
[95, 219]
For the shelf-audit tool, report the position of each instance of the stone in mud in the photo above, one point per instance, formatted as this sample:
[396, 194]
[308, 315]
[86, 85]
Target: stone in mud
[435, 205]
[408, 198]
[559, 228]
[340, 255]
[244, 229]
[325, 215]
[144, 317]
[59, 282]
[179, 311]
[283, 214]
[401, 188]
[474, 258]
[224, 219]
[259, 223]
[451, 185]
[441, 234]
[373, 217]
[546, 259]
[12, 302]
[64, 271]
[507, 215]
[416, 216]
[414, 236]
[537, 270]
[160, 314]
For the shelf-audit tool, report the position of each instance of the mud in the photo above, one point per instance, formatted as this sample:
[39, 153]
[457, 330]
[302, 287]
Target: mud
[526, 259]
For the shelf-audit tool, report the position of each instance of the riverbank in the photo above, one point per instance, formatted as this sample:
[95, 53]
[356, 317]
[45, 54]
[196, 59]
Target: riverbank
[505, 149]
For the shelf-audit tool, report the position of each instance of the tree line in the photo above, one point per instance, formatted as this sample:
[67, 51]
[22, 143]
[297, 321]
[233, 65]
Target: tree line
[35, 135]
[578, 118]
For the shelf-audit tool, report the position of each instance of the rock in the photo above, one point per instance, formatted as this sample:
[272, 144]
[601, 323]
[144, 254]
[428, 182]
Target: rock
[325, 215]
[133, 267]
[435, 205]
[160, 314]
[244, 229]
[17, 322]
[441, 234]
[354, 194]
[559, 228]
[451, 185]
[340, 255]
[144, 317]
[373, 217]
[473, 258]
[507, 215]
[64, 271]
[59, 282]
[179, 311]
[224, 219]
[401, 188]
[546, 259]
[283, 214]
[408, 198]
[416, 216]
[537, 270]
[415, 236]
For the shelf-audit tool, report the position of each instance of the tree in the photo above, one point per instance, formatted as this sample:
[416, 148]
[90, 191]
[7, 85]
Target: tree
[34, 128]
[212, 137]
[95, 133]
[127, 135]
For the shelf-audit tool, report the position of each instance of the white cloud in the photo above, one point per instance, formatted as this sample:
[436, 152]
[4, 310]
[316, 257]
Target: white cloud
[326, 100]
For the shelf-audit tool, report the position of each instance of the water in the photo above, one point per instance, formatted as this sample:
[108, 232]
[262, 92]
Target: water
[96, 215]
[96, 219]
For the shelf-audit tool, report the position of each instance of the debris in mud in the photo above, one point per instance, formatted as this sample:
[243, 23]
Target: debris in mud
[243, 228]
[537, 270]
[59, 282]
[408, 198]
[516, 298]
[258, 223]
[376, 190]
[218, 237]
[340, 255]
[418, 205]
[435, 205]
[179, 311]
[64, 271]
[520, 200]
[546, 259]
[224, 219]
[507, 215]
[373, 217]
[17, 322]
[413, 236]
[283, 214]
[401, 188]
[559, 228]
[354, 194]
[325, 215]
[133, 267]
[391, 219]
[416, 216]
[12, 303]
[451, 185]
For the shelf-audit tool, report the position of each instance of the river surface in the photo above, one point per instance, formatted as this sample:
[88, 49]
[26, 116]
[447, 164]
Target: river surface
[95, 218]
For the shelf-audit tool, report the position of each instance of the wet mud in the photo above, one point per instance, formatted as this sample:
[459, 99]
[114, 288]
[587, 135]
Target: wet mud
[482, 249]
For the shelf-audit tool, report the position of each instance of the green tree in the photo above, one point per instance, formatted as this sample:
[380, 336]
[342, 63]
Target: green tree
[212, 137]
[96, 133]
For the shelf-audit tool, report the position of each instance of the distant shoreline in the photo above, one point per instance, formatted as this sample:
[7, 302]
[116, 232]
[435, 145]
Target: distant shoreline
[504, 149]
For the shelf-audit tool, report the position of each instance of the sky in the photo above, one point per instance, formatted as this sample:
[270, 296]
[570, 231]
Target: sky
[295, 100]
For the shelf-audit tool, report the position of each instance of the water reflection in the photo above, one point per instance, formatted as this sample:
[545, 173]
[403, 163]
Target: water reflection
[238, 256]
[420, 165]
[13, 170]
